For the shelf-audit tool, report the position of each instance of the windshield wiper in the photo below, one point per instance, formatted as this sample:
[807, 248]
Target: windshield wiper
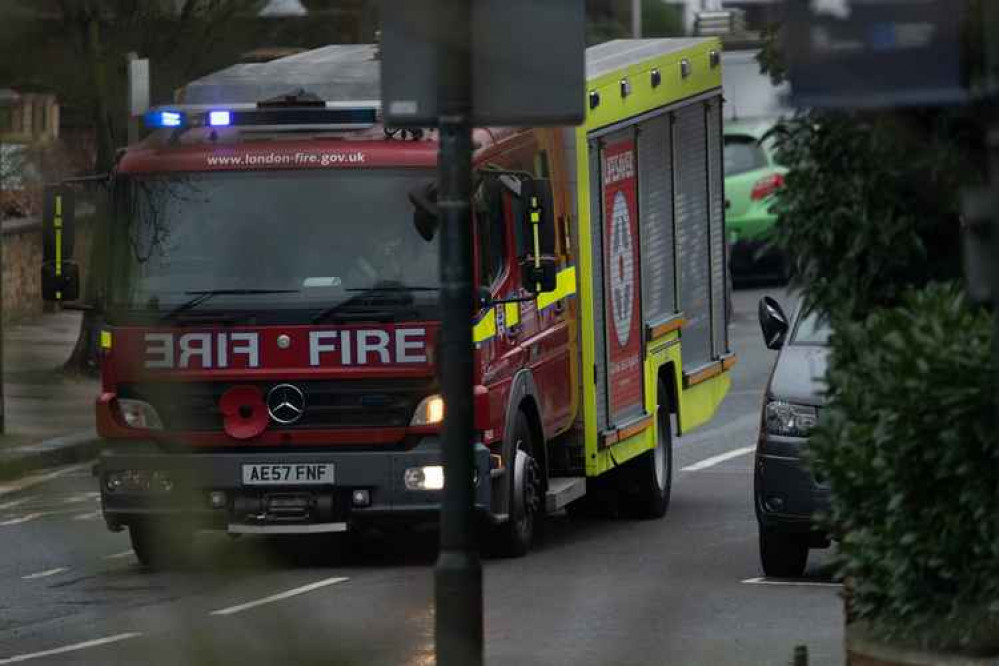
[201, 296]
[355, 309]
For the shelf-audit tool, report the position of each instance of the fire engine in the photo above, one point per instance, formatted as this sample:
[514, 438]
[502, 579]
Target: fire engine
[269, 359]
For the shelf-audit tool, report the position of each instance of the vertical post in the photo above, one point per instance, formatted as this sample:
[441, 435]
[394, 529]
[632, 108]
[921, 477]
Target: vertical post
[138, 93]
[3, 419]
[458, 576]
[636, 19]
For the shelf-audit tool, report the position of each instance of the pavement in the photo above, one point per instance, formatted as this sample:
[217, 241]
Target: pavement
[49, 416]
[685, 591]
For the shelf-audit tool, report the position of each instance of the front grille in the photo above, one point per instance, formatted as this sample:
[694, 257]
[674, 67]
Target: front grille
[356, 403]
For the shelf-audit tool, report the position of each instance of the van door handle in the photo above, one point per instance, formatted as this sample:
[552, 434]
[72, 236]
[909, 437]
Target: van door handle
[513, 331]
[560, 305]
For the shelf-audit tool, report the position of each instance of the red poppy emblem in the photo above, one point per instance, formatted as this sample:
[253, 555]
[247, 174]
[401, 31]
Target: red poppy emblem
[244, 412]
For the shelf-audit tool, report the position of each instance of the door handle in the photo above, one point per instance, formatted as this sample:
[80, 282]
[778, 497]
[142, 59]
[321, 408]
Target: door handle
[559, 305]
[513, 331]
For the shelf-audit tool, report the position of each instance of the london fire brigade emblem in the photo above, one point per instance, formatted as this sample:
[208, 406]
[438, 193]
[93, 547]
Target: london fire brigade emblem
[622, 274]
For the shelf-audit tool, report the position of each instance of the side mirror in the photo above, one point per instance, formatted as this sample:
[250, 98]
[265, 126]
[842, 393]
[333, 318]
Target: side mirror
[539, 278]
[60, 281]
[538, 265]
[60, 276]
[425, 212]
[773, 323]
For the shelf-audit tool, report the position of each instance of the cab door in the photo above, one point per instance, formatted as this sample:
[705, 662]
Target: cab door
[496, 332]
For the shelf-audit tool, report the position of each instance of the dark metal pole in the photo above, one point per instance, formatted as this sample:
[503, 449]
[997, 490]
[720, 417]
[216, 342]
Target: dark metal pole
[458, 577]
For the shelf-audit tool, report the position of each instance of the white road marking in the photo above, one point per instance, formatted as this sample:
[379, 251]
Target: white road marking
[790, 583]
[18, 658]
[717, 460]
[278, 597]
[118, 556]
[45, 574]
[35, 479]
[82, 497]
[88, 516]
[13, 503]
[22, 519]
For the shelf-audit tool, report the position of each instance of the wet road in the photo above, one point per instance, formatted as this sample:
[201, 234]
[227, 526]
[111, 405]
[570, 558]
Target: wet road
[682, 590]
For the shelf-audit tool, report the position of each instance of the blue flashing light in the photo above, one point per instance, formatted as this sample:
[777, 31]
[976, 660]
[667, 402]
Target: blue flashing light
[219, 118]
[164, 118]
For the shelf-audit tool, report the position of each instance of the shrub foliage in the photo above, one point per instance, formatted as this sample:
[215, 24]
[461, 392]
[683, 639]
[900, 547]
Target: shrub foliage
[908, 445]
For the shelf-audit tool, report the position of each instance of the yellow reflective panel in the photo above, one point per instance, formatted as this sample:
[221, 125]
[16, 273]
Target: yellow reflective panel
[485, 328]
[105, 339]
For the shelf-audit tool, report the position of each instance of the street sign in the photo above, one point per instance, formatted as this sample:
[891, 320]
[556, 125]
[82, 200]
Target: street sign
[875, 53]
[528, 62]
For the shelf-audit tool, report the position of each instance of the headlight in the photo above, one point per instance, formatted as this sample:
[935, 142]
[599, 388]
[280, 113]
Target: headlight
[430, 477]
[429, 411]
[139, 414]
[790, 420]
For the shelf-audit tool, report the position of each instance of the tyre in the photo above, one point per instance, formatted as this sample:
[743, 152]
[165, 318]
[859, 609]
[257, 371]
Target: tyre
[648, 479]
[526, 492]
[783, 554]
[160, 545]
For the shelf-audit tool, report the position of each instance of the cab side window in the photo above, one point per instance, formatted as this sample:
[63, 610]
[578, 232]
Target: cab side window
[490, 235]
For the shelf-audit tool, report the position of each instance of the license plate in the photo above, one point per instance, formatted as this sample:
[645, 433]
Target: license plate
[281, 474]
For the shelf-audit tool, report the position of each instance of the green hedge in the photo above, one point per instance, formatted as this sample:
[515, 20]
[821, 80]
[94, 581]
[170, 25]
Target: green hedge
[909, 447]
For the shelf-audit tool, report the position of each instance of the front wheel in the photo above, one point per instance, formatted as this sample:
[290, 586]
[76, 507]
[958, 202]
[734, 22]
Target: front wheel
[526, 495]
[159, 544]
[783, 554]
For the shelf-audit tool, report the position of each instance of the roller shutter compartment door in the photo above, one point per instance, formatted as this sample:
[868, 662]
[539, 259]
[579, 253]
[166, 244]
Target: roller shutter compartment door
[693, 232]
[597, 284]
[655, 190]
[719, 242]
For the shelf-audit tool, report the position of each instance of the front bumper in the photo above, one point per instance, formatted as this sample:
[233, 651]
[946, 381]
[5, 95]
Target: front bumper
[786, 494]
[194, 476]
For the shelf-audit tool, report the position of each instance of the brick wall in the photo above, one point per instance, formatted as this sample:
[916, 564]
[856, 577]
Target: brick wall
[22, 262]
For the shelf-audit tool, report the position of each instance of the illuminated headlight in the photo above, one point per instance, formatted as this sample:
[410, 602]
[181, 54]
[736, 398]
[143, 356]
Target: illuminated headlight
[139, 414]
[790, 420]
[430, 477]
[429, 412]
[138, 481]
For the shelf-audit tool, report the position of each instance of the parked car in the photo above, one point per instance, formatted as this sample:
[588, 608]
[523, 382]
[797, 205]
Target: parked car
[753, 178]
[786, 493]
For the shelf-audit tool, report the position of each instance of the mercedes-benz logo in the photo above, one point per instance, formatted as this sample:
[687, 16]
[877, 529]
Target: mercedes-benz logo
[285, 403]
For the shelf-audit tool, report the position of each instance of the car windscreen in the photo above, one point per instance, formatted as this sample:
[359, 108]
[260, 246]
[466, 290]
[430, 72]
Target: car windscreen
[272, 241]
[812, 329]
[742, 155]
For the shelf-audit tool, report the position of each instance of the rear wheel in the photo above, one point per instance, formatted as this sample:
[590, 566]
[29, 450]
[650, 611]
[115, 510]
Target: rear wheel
[526, 489]
[161, 544]
[783, 554]
[648, 479]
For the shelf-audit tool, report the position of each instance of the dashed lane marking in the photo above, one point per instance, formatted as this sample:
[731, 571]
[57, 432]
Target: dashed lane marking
[118, 556]
[790, 583]
[232, 610]
[94, 515]
[10, 505]
[45, 574]
[717, 460]
[35, 479]
[18, 658]
[28, 517]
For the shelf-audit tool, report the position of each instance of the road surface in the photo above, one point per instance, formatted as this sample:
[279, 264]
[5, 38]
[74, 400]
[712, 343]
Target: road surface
[685, 590]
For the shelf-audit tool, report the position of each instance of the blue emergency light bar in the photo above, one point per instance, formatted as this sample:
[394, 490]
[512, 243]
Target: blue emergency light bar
[319, 116]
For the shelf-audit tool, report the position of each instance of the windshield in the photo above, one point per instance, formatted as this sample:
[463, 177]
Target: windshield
[743, 154]
[279, 244]
[812, 329]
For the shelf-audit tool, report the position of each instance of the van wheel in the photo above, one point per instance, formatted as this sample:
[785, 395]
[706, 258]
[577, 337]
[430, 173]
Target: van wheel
[160, 545]
[648, 479]
[783, 554]
[526, 488]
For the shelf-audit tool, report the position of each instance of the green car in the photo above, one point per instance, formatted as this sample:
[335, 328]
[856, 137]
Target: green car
[752, 180]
